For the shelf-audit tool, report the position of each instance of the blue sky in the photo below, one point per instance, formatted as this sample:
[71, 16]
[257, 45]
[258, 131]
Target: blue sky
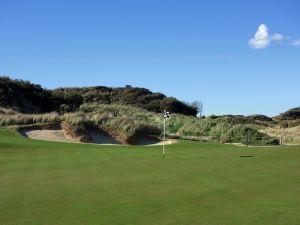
[192, 50]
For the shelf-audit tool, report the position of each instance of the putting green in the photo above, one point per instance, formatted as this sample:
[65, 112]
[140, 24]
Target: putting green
[199, 183]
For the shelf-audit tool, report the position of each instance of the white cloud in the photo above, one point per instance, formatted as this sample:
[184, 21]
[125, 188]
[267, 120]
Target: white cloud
[277, 37]
[296, 43]
[261, 39]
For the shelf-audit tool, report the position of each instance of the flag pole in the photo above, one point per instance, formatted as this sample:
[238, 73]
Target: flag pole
[166, 116]
[164, 138]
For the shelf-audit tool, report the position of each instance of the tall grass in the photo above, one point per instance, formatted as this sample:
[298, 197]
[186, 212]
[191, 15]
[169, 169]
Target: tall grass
[129, 121]
[25, 119]
[289, 135]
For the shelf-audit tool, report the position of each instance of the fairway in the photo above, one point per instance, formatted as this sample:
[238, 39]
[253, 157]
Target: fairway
[199, 183]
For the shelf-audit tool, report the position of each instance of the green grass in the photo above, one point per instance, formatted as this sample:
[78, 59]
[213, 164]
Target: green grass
[199, 183]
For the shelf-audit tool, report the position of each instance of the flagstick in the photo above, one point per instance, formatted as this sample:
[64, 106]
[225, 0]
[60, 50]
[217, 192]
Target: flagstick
[164, 138]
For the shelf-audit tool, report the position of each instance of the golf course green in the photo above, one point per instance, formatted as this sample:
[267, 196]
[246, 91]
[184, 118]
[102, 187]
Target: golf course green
[51, 183]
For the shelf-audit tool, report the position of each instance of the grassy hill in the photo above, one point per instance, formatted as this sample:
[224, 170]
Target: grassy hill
[32, 98]
[292, 114]
[289, 119]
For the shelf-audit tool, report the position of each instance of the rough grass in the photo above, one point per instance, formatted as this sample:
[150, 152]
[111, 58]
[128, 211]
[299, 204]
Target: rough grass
[288, 135]
[130, 121]
[199, 183]
[218, 130]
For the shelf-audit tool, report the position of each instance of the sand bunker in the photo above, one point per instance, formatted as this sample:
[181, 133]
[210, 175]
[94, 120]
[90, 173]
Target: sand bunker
[47, 135]
[97, 138]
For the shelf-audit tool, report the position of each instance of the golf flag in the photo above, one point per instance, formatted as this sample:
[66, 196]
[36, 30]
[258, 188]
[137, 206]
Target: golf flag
[166, 114]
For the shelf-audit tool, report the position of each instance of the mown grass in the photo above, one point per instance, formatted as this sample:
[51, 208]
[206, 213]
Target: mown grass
[199, 183]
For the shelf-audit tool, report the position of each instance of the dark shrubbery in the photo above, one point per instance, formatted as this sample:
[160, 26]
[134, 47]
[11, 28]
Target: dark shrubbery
[24, 96]
[259, 117]
[31, 98]
[292, 114]
[138, 97]
[288, 119]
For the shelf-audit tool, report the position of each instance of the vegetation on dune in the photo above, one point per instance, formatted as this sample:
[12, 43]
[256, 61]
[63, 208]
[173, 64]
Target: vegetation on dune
[24, 96]
[219, 129]
[292, 114]
[128, 123]
[138, 97]
[288, 119]
[290, 135]
[31, 98]
[124, 122]
[25, 119]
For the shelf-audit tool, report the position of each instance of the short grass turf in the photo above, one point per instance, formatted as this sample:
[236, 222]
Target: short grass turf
[199, 183]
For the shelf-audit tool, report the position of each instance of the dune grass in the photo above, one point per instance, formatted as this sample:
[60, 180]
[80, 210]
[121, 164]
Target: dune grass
[199, 183]
[130, 121]
[290, 135]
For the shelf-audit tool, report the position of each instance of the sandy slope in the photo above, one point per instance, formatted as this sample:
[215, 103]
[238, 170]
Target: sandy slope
[48, 135]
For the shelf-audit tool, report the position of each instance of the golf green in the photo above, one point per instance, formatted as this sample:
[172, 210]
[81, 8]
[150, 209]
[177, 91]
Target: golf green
[45, 183]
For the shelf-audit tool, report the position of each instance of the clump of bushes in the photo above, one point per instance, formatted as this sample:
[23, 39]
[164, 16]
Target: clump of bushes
[219, 128]
[243, 134]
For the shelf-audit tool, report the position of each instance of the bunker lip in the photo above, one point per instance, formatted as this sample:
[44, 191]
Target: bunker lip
[57, 134]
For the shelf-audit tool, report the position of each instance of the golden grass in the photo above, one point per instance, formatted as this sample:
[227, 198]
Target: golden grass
[289, 135]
